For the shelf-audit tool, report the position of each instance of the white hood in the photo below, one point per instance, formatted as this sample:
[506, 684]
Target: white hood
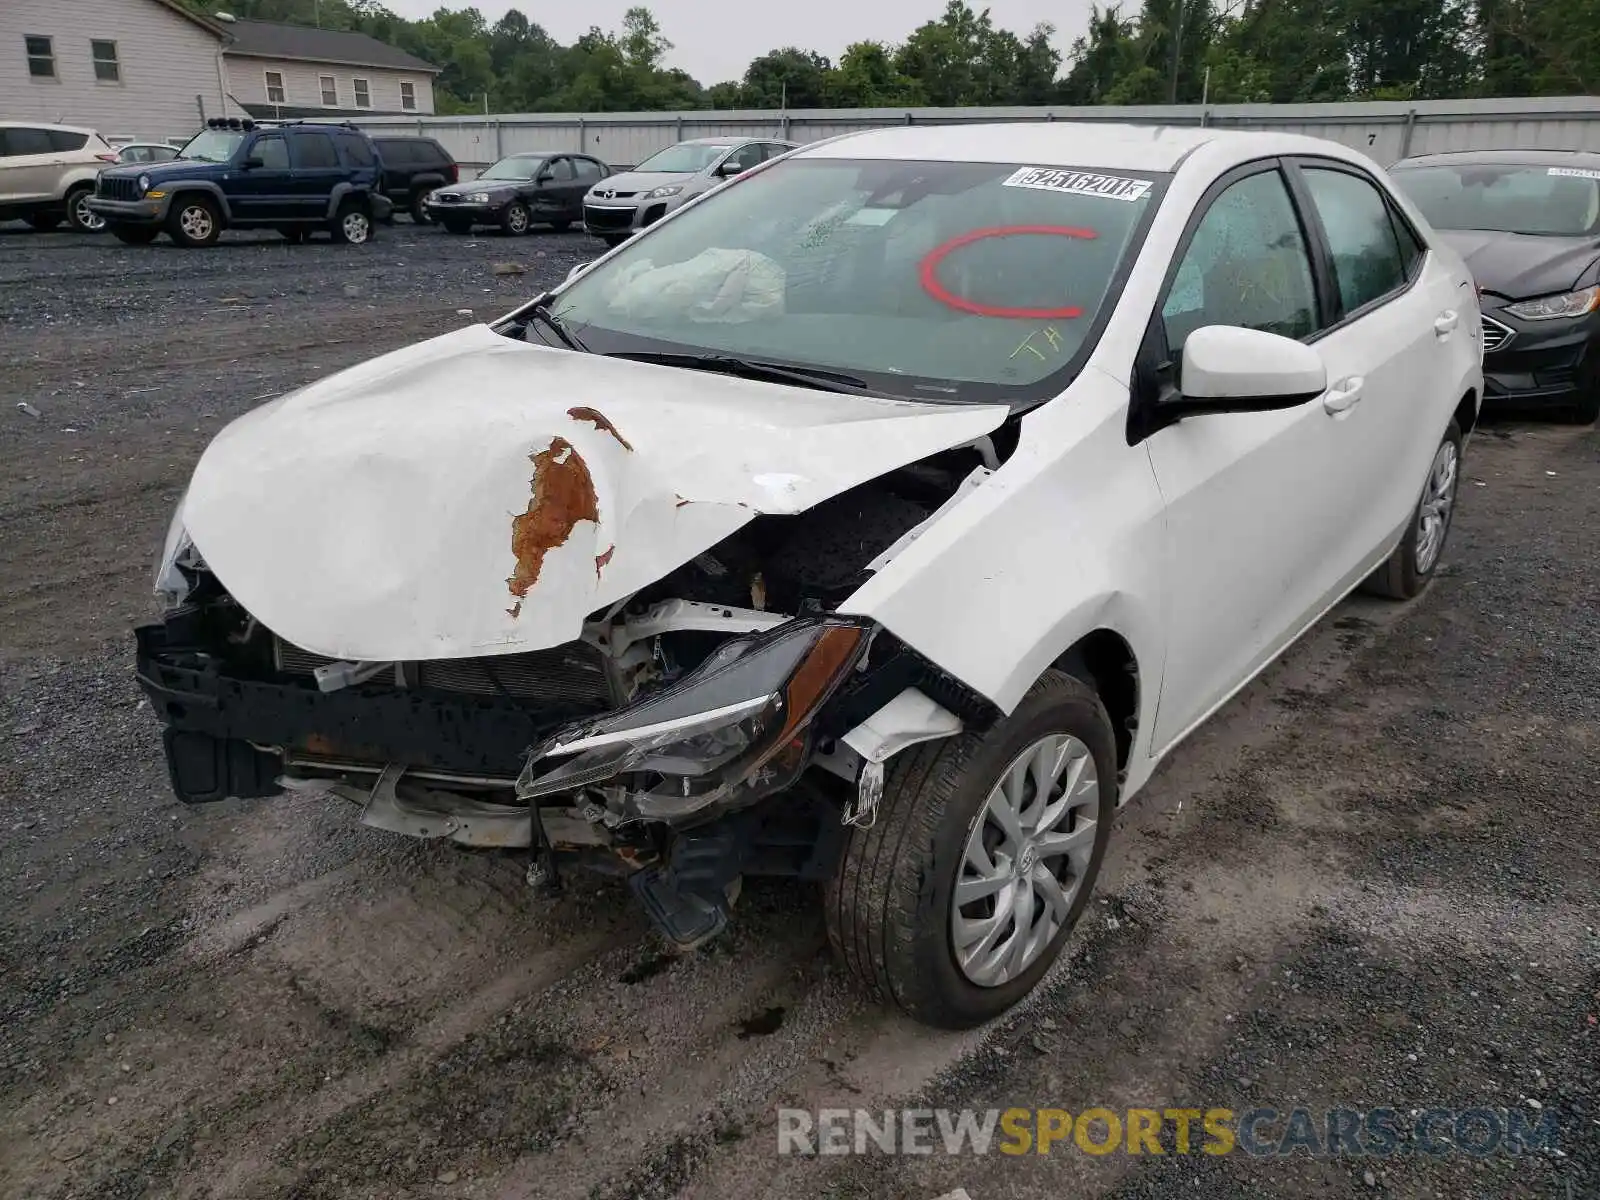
[447, 500]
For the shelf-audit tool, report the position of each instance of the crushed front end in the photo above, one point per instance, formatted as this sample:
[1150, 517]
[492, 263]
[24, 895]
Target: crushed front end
[702, 730]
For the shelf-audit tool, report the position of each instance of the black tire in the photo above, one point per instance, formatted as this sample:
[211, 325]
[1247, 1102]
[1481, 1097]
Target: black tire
[418, 209]
[44, 222]
[1402, 576]
[193, 221]
[458, 227]
[561, 226]
[888, 906]
[515, 220]
[134, 235]
[352, 224]
[79, 218]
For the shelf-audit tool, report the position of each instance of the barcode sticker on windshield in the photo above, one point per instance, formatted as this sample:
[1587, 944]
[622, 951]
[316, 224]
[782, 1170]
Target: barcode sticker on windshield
[1575, 172]
[1079, 183]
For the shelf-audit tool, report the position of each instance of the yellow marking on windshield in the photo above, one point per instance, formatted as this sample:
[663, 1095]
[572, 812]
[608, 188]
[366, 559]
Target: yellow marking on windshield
[1051, 335]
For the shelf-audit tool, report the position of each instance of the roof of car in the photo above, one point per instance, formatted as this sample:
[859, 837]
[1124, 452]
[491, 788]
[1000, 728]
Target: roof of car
[731, 141]
[1532, 158]
[49, 125]
[1062, 143]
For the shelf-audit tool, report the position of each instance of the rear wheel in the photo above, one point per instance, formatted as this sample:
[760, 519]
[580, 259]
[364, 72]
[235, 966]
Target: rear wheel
[80, 218]
[134, 235]
[352, 224]
[418, 207]
[1411, 567]
[959, 897]
[514, 219]
[194, 221]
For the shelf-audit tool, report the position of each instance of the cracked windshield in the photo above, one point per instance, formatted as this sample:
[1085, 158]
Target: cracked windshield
[968, 281]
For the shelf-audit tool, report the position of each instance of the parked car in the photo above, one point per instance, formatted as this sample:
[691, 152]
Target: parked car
[146, 152]
[293, 176]
[893, 513]
[619, 207]
[47, 174]
[1527, 222]
[413, 167]
[518, 192]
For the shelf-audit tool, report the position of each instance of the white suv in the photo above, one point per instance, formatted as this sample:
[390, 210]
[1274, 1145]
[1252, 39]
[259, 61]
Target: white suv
[47, 172]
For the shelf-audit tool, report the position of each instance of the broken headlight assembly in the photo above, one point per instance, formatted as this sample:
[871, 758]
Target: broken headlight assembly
[735, 728]
[177, 552]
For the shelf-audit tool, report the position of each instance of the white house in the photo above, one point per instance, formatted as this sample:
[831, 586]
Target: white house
[132, 68]
[278, 70]
[153, 70]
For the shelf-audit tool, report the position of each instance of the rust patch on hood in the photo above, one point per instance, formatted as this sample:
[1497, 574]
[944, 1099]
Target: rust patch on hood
[563, 495]
[601, 561]
[600, 421]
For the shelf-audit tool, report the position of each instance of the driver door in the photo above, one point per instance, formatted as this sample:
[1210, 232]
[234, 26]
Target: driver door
[1257, 504]
[262, 193]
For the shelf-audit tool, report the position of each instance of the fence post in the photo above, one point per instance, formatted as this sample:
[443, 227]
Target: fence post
[909, 120]
[1205, 117]
[498, 152]
[677, 127]
[1405, 136]
[582, 134]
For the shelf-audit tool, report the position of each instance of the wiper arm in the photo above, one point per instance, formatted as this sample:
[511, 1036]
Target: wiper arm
[723, 364]
[540, 311]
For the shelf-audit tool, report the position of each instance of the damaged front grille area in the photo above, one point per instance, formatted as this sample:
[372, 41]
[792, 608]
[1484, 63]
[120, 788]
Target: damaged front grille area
[573, 675]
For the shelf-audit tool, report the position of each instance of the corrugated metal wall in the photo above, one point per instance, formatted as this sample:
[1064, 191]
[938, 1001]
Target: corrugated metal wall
[1388, 130]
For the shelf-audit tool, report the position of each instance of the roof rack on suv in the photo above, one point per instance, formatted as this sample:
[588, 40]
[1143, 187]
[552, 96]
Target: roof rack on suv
[230, 123]
[314, 122]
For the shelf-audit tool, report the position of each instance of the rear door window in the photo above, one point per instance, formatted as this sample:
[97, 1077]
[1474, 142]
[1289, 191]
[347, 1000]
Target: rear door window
[1361, 236]
[315, 150]
[65, 139]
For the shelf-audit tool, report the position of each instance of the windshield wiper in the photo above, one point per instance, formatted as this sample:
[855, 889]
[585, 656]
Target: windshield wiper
[723, 364]
[539, 310]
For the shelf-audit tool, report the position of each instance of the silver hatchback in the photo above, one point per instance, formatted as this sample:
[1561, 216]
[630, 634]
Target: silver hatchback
[620, 205]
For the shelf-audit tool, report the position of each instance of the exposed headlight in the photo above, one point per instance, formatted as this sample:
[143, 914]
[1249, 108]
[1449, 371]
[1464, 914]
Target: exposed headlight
[177, 551]
[478, 198]
[144, 183]
[658, 193]
[1573, 304]
[740, 715]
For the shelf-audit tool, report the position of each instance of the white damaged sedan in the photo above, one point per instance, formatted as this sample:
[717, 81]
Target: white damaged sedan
[881, 518]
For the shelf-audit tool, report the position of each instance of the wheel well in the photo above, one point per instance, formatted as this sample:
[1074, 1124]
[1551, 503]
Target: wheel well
[1467, 413]
[1105, 661]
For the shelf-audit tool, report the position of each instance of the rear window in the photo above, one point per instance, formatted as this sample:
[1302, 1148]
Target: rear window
[62, 139]
[1554, 201]
[396, 153]
[314, 150]
[433, 152]
[960, 281]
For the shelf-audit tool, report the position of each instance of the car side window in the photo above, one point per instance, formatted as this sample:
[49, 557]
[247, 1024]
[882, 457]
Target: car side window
[357, 150]
[1246, 265]
[315, 150]
[61, 139]
[1361, 236]
[560, 169]
[773, 149]
[272, 151]
[20, 140]
[748, 156]
[1412, 251]
[588, 169]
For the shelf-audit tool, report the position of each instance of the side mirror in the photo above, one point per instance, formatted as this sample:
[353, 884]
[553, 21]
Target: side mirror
[1229, 369]
[543, 177]
[252, 163]
[578, 270]
[729, 169]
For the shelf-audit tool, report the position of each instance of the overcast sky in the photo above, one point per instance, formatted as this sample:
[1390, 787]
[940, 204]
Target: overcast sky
[715, 39]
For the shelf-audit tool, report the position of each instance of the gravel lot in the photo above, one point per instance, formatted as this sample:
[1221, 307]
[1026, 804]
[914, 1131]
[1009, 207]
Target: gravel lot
[1371, 880]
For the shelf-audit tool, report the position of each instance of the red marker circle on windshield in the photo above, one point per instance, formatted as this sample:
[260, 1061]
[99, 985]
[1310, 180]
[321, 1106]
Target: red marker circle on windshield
[929, 272]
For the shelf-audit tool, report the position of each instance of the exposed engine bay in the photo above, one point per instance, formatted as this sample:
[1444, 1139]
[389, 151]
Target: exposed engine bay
[643, 748]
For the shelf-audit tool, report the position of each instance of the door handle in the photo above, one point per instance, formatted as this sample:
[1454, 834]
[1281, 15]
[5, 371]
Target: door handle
[1446, 322]
[1343, 395]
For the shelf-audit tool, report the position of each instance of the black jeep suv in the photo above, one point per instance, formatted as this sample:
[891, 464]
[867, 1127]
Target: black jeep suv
[293, 176]
[413, 167]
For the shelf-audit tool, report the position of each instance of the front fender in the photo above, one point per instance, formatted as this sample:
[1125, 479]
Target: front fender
[1063, 540]
[179, 187]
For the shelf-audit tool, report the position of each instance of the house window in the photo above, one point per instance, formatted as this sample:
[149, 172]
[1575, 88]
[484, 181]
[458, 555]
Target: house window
[363, 94]
[41, 57]
[330, 92]
[408, 97]
[104, 54]
[275, 93]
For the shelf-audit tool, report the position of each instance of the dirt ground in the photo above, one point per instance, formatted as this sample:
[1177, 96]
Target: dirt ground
[1370, 881]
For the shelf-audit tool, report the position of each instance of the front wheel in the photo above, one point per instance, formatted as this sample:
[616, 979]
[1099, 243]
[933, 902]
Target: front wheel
[1410, 568]
[515, 219]
[352, 224]
[80, 217]
[954, 903]
[194, 222]
[418, 208]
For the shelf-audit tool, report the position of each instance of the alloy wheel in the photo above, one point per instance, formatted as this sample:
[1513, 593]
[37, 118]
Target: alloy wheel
[356, 227]
[1025, 860]
[196, 222]
[85, 216]
[1438, 499]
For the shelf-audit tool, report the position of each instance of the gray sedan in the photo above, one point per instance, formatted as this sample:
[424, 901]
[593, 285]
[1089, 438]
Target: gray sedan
[619, 206]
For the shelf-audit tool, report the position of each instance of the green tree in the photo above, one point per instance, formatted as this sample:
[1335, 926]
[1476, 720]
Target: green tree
[788, 76]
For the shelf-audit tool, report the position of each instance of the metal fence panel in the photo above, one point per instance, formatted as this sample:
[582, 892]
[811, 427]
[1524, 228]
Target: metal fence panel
[1386, 130]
